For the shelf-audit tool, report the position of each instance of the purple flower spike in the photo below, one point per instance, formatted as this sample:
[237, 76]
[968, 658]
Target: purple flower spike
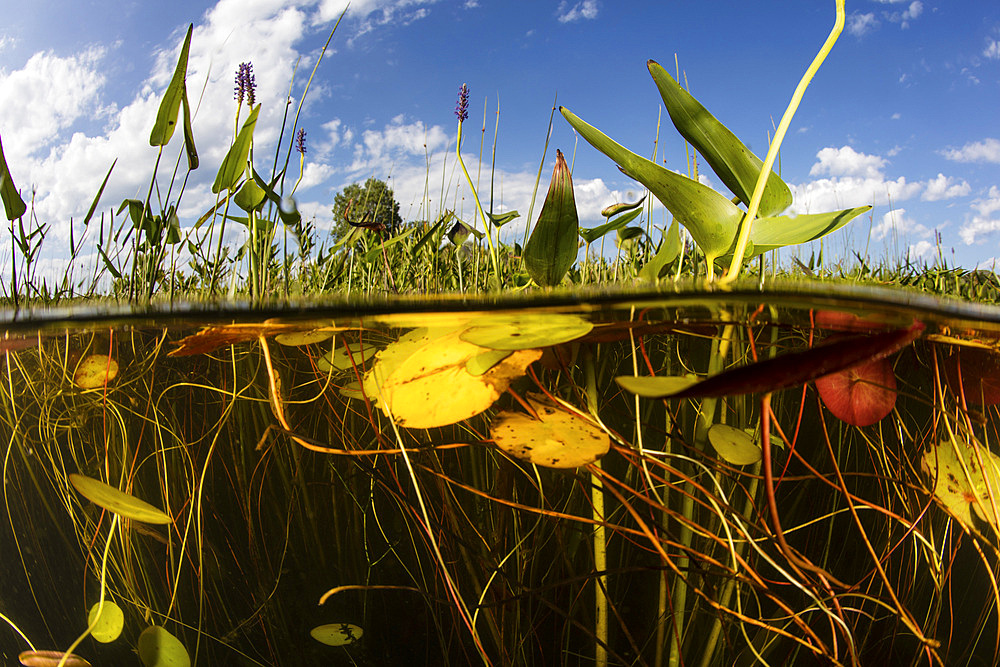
[300, 141]
[246, 85]
[462, 108]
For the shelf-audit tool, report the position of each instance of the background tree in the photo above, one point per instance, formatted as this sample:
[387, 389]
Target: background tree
[371, 204]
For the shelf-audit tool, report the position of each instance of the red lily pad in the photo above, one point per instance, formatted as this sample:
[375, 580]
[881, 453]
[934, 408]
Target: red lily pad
[974, 372]
[862, 395]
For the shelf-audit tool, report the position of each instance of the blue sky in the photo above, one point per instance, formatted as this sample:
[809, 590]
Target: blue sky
[903, 114]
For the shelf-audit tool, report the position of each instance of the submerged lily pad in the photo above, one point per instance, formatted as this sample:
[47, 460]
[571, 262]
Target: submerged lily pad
[656, 386]
[337, 359]
[336, 634]
[110, 623]
[862, 395]
[95, 370]
[116, 500]
[300, 338]
[525, 331]
[559, 439]
[50, 659]
[422, 380]
[734, 445]
[158, 648]
[963, 486]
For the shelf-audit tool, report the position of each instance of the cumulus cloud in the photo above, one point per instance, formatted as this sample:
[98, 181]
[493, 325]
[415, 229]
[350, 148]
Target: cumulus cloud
[983, 220]
[587, 9]
[945, 187]
[992, 49]
[846, 161]
[896, 224]
[987, 150]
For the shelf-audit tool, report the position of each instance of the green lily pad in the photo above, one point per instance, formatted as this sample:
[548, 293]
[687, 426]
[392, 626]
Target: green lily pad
[525, 331]
[336, 634]
[108, 626]
[734, 445]
[117, 501]
[655, 386]
[481, 363]
[159, 648]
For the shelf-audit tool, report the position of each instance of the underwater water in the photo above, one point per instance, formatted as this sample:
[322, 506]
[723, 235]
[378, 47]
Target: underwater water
[806, 474]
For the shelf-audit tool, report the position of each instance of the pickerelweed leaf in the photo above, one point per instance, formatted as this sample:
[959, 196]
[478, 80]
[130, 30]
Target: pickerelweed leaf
[117, 501]
[595, 233]
[189, 148]
[797, 368]
[730, 159]
[170, 105]
[97, 197]
[712, 220]
[551, 249]
[669, 250]
[235, 163]
[615, 209]
[770, 233]
[13, 205]
[501, 219]
[250, 196]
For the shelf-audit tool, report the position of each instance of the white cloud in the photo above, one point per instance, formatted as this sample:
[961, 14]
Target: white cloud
[987, 150]
[896, 224]
[846, 161]
[861, 24]
[587, 9]
[6, 42]
[982, 222]
[992, 49]
[945, 187]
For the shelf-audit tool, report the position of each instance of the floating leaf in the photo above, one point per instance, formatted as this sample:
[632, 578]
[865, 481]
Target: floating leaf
[108, 626]
[336, 634]
[734, 445]
[736, 166]
[862, 395]
[551, 249]
[656, 386]
[422, 381]
[159, 648]
[116, 500]
[338, 360]
[95, 370]
[559, 439]
[960, 483]
[483, 362]
[50, 659]
[213, 337]
[524, 331]
[301, 338]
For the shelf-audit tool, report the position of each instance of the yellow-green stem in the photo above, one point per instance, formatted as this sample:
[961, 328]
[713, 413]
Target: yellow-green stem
[487, 223]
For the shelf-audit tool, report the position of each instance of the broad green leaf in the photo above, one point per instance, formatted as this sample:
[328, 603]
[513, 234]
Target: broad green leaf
[377, 248]
[235, 162]
[173, 227]
[552, 247]
[770, 233]
[117, 501]
[108, 626]
[501, 219]
[670, 249]
[615, 209]
[712, 220]
[336, 634]
[158, 648]
[655, 387]
[250, 196]
[525, 331]
[733, 162]
[627, 234]
[13, 205]
[97, 197]
[734, 445]
[593, 234]
[166, 116]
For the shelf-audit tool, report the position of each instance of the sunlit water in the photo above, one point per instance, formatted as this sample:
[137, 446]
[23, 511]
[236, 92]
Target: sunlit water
[365, 477]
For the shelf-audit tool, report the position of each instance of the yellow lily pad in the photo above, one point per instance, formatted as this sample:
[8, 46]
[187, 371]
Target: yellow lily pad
[656, 386]
[95, 370]
[116, 500]
[158, 648]
[483, 362]
[964, 489]
[336, 634]
[422, 380]
[110, 623]
[559, 439]
[734, 445]
[524, 331]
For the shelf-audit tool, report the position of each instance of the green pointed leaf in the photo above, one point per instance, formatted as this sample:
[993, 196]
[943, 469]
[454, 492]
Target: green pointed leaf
[189, 147]
[235, 163]
[712, 220]
[593, 234]
[730, 159]
[166, 116]
[552, 247]
[13, 205]
[670, 249]
[173, 227]
[250, 197]
[117, 501]
[770, 233]
[97, 197]
[655, 386]
[615, 209]
[378, 248]
[501, 219]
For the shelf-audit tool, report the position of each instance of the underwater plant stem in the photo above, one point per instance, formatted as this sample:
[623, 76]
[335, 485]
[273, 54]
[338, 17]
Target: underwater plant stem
[601, 567]
[772, 151]
[487, 222]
